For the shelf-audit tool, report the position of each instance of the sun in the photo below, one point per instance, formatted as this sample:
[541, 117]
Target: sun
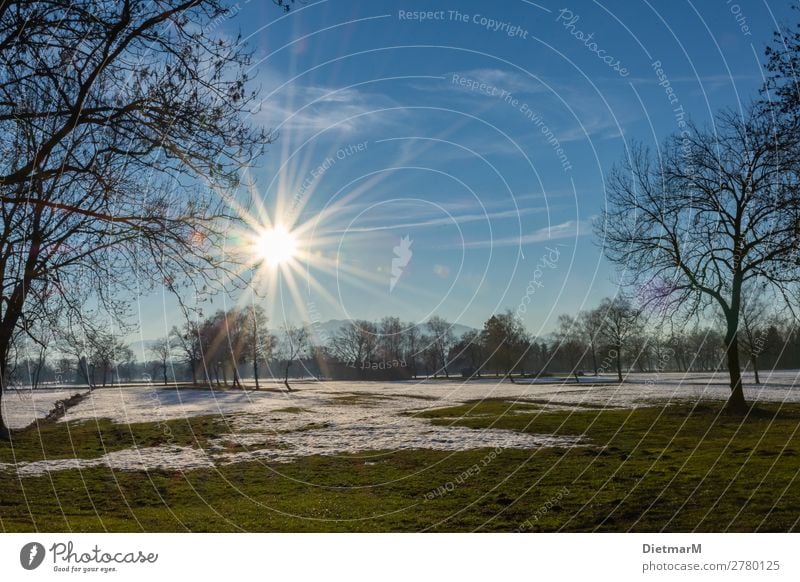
[276, 246]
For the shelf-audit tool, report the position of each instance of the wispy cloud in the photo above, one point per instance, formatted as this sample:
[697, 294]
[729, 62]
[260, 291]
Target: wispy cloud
[444, 220]
[292, 107]
[568, 229]
[572, 112]
[502, 79]
[413, 209]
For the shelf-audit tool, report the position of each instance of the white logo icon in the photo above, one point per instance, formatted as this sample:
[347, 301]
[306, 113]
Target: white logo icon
[402, 255]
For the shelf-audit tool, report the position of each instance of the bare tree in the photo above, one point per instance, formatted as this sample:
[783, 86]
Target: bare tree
[620, 325]
[720, 210]
[589, 324]
[505, 342]
[755, 322]
[237, 339]
[569, 342]
[412, 346]
[162, 350]
[104, 351]
[471, 349]
[356, 343]
[390, 340]
[442, 339]
[224, 339]
[260, 342]
[294, 346]
[119, 121]
[188, 340]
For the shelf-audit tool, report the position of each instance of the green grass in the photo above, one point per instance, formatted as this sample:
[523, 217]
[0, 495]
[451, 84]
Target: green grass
[291, 409]
[678, 468]
[88, 439]
[360, 399]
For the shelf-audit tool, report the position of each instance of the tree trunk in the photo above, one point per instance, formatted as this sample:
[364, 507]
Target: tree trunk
[754, 359]
[255, 371]
[164, 369]
[286, 376]
[619, 363]
[736, 401]
[594, 359]
[5, 432]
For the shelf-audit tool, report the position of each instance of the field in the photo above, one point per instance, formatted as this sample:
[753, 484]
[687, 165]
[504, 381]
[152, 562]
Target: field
[657, 453]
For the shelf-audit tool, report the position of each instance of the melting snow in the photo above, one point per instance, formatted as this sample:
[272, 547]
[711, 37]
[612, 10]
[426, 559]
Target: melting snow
[329, 418]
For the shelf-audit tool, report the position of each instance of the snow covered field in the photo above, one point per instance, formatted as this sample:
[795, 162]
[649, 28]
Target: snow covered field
[344, 417]
[23, 407]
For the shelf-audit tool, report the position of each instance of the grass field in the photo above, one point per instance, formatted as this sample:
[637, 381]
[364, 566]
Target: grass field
[680, 467]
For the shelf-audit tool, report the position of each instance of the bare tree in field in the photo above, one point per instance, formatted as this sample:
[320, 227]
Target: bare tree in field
[188, 341]
[162, 350]
[119, 119]
[390, 339]
[755, 322]
[619, 326]
[259, 342]
[589, 323]
[441, 340]
[412, 346]
[471, 349]
[721, 209]
[104, 352]
[569, 342]
[505, 342]
[356, 344]
[295, 345]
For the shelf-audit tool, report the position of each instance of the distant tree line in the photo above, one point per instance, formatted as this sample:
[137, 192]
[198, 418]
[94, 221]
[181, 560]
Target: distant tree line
[228, 347]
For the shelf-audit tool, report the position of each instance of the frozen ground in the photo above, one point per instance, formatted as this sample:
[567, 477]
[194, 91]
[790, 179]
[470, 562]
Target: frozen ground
[330, 418]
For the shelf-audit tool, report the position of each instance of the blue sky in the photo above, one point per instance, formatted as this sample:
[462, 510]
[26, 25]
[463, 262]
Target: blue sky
[482, 133]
